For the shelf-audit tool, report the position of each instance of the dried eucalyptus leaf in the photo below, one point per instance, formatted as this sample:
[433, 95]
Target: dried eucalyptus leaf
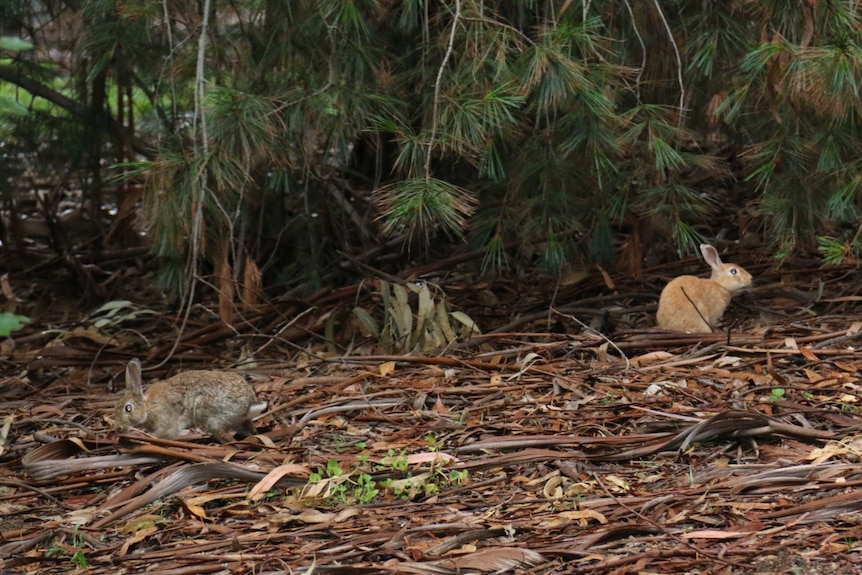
[426, 304]
[385, 294]
[423, 316]
[367, 322]
[401, 312]
[442, 317]
[467, 321]
[329, 330]
[433, 336]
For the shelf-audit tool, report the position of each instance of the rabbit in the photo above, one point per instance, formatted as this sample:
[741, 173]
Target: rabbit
[219, 402]
[694, 304]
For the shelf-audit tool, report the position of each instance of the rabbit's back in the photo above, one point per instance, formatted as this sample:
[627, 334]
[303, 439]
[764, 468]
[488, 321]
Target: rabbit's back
[692, 304]
[217, 401]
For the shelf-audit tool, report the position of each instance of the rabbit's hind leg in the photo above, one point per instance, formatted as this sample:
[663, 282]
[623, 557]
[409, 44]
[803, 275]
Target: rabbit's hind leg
[245, 428]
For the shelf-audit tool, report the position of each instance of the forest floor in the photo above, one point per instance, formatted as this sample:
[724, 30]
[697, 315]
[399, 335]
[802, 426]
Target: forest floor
[540, 446]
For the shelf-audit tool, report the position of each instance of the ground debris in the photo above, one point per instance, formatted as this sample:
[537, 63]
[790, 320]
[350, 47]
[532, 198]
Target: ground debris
[523, 450]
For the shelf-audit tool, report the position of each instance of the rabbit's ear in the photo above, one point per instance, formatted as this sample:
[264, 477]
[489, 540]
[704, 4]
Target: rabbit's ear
[133, 376]
[710, 255]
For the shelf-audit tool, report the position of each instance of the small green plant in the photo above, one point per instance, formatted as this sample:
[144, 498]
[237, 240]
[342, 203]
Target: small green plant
[458, 477]
[10, 322]
[405, 489]
[366, 489]
[777, 393]
[79, 559]
[341, 488]
[426, 483]
[333, 469]
[396, 462]
[433, 443]
[75, 551]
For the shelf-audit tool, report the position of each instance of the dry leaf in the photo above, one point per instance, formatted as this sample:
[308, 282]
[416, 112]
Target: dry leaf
[618, 482]
[553, 488]
[6, 288]
[139, 536]
[808, 354]
[715, 534]
[495, 560]
[583, 516]
[439, 407]
[387, 368]
[141, 522]
[195, 509]
[651, 357]
[259, 490]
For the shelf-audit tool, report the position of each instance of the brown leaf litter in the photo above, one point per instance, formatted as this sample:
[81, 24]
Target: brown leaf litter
[540, 447]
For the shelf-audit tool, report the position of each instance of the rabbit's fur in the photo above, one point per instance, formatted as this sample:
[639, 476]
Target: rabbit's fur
[221, 403]
[694, 304]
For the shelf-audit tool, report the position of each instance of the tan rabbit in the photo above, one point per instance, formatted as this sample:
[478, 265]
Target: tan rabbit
[219, 402]
[694, 304]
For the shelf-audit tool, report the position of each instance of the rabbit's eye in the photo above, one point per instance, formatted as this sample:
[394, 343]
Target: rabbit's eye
[733, 271]
[129, 407]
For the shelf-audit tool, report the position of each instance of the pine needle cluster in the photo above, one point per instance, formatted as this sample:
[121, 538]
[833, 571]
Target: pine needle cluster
[284, 134]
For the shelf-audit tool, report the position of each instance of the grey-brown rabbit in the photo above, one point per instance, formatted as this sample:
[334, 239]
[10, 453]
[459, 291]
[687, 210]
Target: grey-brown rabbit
[220, 402]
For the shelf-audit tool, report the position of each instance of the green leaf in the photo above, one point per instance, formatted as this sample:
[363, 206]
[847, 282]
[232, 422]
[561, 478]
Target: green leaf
[14, 44]
[10, 322]
[8, 106]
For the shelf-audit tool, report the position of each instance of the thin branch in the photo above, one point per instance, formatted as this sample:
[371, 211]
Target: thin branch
[170, 60]
[200, 80]
[598, 333]
[643, 50]
[694, 305]
[199, 189]
[437, 90]
[678, 59]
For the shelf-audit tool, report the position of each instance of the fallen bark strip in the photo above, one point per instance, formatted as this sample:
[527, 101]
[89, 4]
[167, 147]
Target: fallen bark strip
[824, 509]
[173, 479]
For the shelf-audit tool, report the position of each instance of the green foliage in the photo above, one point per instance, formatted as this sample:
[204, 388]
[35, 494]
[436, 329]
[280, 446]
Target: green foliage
[777, 394]
[13, 44]
[338, 486]
[417, 206]
[74, 551]
[832, 251]
[10, 322]
[8, 104]
[292, 132]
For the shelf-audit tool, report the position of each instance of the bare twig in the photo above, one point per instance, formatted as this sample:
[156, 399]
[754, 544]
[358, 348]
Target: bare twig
[437, 83]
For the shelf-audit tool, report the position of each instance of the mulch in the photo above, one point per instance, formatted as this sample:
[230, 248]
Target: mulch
[541, 446]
